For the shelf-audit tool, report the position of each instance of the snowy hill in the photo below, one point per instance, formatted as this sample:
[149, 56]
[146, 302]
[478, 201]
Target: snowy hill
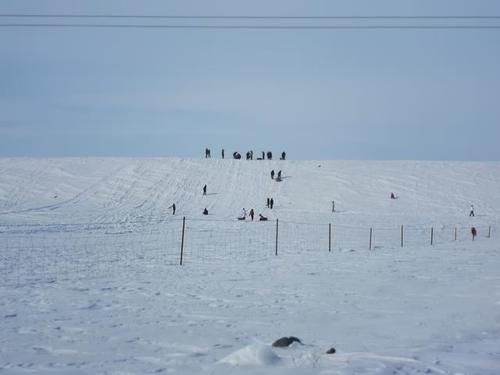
[108, 190]
[90, 281]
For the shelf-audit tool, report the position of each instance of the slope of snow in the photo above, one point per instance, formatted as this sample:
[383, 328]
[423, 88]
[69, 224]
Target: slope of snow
[90, 283]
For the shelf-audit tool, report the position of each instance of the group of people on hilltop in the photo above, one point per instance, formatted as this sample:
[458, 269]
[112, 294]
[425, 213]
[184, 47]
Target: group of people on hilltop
[249, 155]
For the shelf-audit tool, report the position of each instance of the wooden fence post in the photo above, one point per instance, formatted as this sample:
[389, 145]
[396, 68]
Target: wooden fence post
[329, 237]
[182, 238]
[276, 237]
[401, 236]
[371, 232]
[455, 233]
[432, 235]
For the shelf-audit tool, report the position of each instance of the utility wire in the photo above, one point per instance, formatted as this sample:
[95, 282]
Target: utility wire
[310, 25]
[256, 17]
[250, 27]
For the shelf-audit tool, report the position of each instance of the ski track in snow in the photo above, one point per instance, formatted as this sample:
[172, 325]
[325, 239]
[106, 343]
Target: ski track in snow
[417, 310]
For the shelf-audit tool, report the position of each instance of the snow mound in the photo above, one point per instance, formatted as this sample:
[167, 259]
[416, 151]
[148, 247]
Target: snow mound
[253, 355]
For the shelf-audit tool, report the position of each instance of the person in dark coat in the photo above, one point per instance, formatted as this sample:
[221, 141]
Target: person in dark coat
[473, 231]
[205, 211]
[269, 155]
[262, 218]
[283, 155]
[272, 174]
[205, 190]
[222, 153]
[271, 203]
[267, 203]
[279, 175]
[252, 213]
[263, 155]
[173, 208]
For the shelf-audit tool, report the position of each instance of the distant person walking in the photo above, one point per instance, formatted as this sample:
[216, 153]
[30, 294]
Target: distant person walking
[473, 231]
[283, 155]
[222, 153]
[173, 208]
[471, 213]
[279, 175]
[269, 155]
[271, 203]
[267, 204]
[207, 153]
[272, 174]
[205, 190]
[263, 155]
[252, 214]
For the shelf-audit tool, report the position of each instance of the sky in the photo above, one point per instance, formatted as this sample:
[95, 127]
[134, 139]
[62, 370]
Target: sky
[316, 94]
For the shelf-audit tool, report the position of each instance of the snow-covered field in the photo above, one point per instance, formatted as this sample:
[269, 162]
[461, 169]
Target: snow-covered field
[90, 280]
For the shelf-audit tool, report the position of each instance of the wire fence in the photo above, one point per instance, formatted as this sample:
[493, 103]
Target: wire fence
[46, 253]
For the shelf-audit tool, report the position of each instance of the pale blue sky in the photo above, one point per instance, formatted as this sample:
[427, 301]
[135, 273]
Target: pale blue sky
[318, 94]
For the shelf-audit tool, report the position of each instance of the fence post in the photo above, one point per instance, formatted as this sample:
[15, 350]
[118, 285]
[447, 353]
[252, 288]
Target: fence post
[432, 235]
[329, 237]
[182, 238]
[455, 233]
[489, 231]
[371, 232]
[401, 236]
[276, 237]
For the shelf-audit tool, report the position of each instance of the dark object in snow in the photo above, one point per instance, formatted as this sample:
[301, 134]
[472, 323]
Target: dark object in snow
[473, 231]
[286, 341]
[331, 351]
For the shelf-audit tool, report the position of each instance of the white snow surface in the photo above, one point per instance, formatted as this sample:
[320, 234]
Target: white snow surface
[90, 281]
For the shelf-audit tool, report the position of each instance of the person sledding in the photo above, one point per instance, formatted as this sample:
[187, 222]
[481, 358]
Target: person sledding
[243, 215]
[205, 211]
[262, 218]
[278, 178]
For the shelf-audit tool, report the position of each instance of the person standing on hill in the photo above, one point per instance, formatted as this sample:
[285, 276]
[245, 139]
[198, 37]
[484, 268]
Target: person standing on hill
[271, 203]
[471, 213]
[268, 202]
[173, 208]
[205, 190]
[272, 174]
[222, 153]
[473, 231]
[252, 213]
[283, 155]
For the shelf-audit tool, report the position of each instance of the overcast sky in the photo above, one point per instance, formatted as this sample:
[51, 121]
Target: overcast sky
[318, 94]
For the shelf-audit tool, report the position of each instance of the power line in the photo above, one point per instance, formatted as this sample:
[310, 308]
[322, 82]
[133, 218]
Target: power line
[256, 17]
[251, 27]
